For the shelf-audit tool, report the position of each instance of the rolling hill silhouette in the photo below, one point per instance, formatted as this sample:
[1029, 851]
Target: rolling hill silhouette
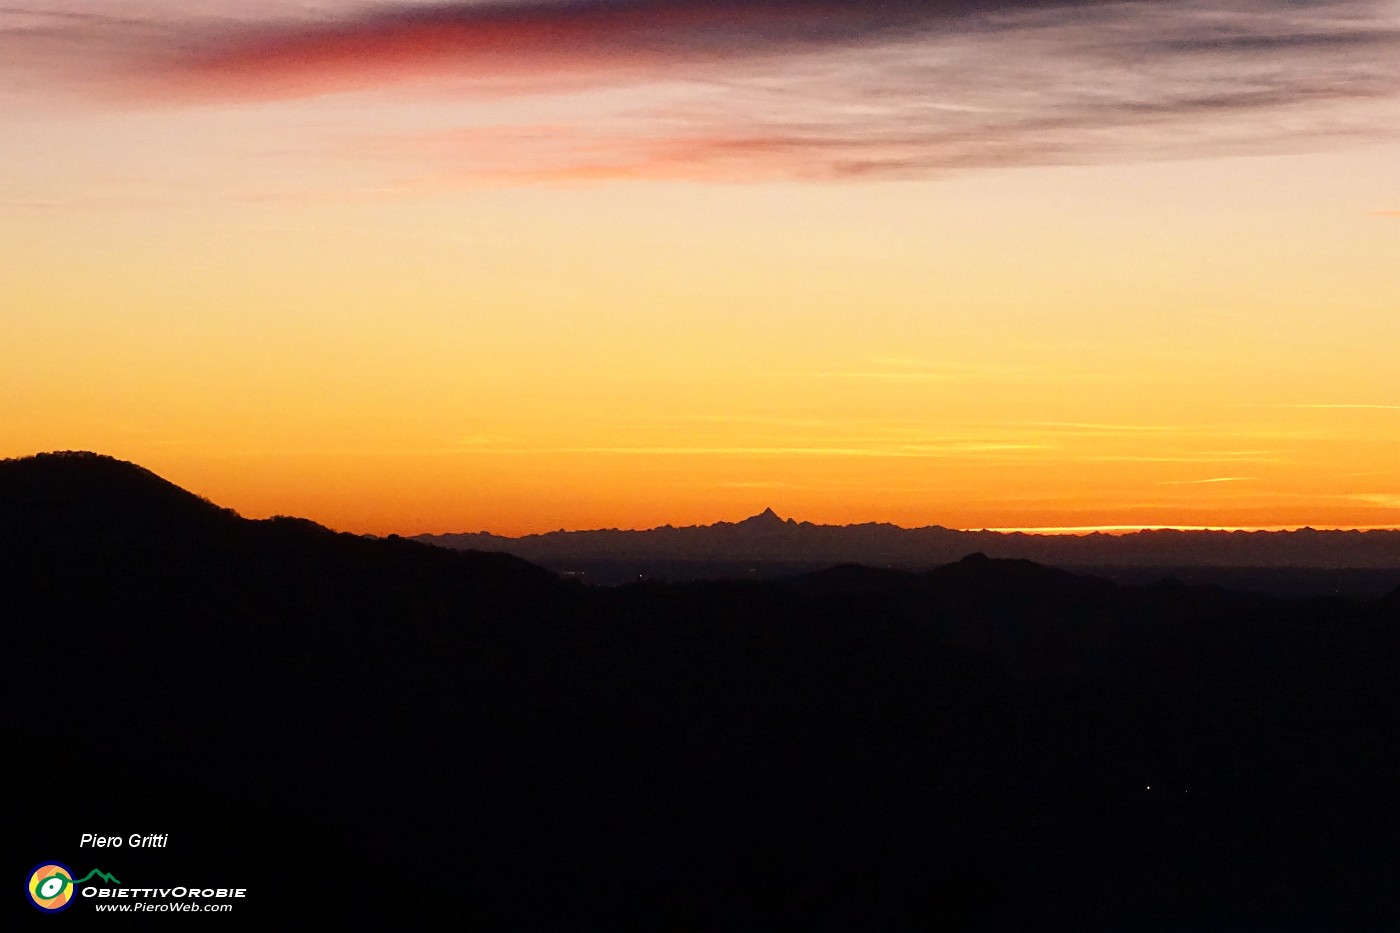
[72, 497]
[989, 744]
[77, 502]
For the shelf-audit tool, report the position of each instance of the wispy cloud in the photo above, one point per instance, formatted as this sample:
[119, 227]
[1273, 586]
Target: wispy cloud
[1220, 456]
[1201, 482]
[757, 484]
[334, 47]
[746, 90]
[897, 451]
[951, 374]
[1340, 405]
[1386, 500]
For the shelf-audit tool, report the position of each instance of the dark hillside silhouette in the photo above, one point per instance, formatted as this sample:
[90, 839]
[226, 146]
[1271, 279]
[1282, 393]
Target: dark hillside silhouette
[73, 498]
[989, 744]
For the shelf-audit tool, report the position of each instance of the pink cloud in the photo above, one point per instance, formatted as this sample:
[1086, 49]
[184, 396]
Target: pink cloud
[592, 40]
[807, 89]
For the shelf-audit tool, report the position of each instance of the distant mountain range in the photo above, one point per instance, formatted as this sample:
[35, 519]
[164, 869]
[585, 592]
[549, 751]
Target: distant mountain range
[768, 538]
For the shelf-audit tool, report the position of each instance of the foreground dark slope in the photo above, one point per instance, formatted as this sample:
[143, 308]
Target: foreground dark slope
[969, 748]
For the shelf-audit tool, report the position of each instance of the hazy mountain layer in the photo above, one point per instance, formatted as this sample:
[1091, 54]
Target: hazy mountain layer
[768, 538]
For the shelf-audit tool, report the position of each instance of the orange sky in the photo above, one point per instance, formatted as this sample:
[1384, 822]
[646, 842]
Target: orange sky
[666, 280]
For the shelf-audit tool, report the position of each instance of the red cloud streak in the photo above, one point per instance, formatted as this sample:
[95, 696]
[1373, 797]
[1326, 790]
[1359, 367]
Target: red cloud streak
[623, 38]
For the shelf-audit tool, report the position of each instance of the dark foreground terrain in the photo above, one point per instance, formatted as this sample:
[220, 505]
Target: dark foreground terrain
[385, 731]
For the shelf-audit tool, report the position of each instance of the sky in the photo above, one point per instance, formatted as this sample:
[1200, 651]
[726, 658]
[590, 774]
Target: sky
[518, 266]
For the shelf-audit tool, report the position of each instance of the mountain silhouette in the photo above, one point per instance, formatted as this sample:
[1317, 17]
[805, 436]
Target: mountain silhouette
[987, 744]
[80, 519]
[77, 496]
[767, 519]
[767, 538]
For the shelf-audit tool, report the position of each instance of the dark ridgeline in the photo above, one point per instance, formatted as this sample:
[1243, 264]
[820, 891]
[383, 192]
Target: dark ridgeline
[765, 546]
[360, 728]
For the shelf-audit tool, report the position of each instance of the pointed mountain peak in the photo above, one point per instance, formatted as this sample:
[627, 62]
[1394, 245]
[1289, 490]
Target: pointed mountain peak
[765, 518]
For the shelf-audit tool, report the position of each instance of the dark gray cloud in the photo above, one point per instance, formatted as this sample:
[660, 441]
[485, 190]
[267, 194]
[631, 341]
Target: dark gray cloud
[1358, 39]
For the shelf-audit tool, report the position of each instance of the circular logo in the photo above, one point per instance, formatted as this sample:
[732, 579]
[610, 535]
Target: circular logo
[51, 887]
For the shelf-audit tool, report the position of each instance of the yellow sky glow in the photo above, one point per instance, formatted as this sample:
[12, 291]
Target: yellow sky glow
[259, 302]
